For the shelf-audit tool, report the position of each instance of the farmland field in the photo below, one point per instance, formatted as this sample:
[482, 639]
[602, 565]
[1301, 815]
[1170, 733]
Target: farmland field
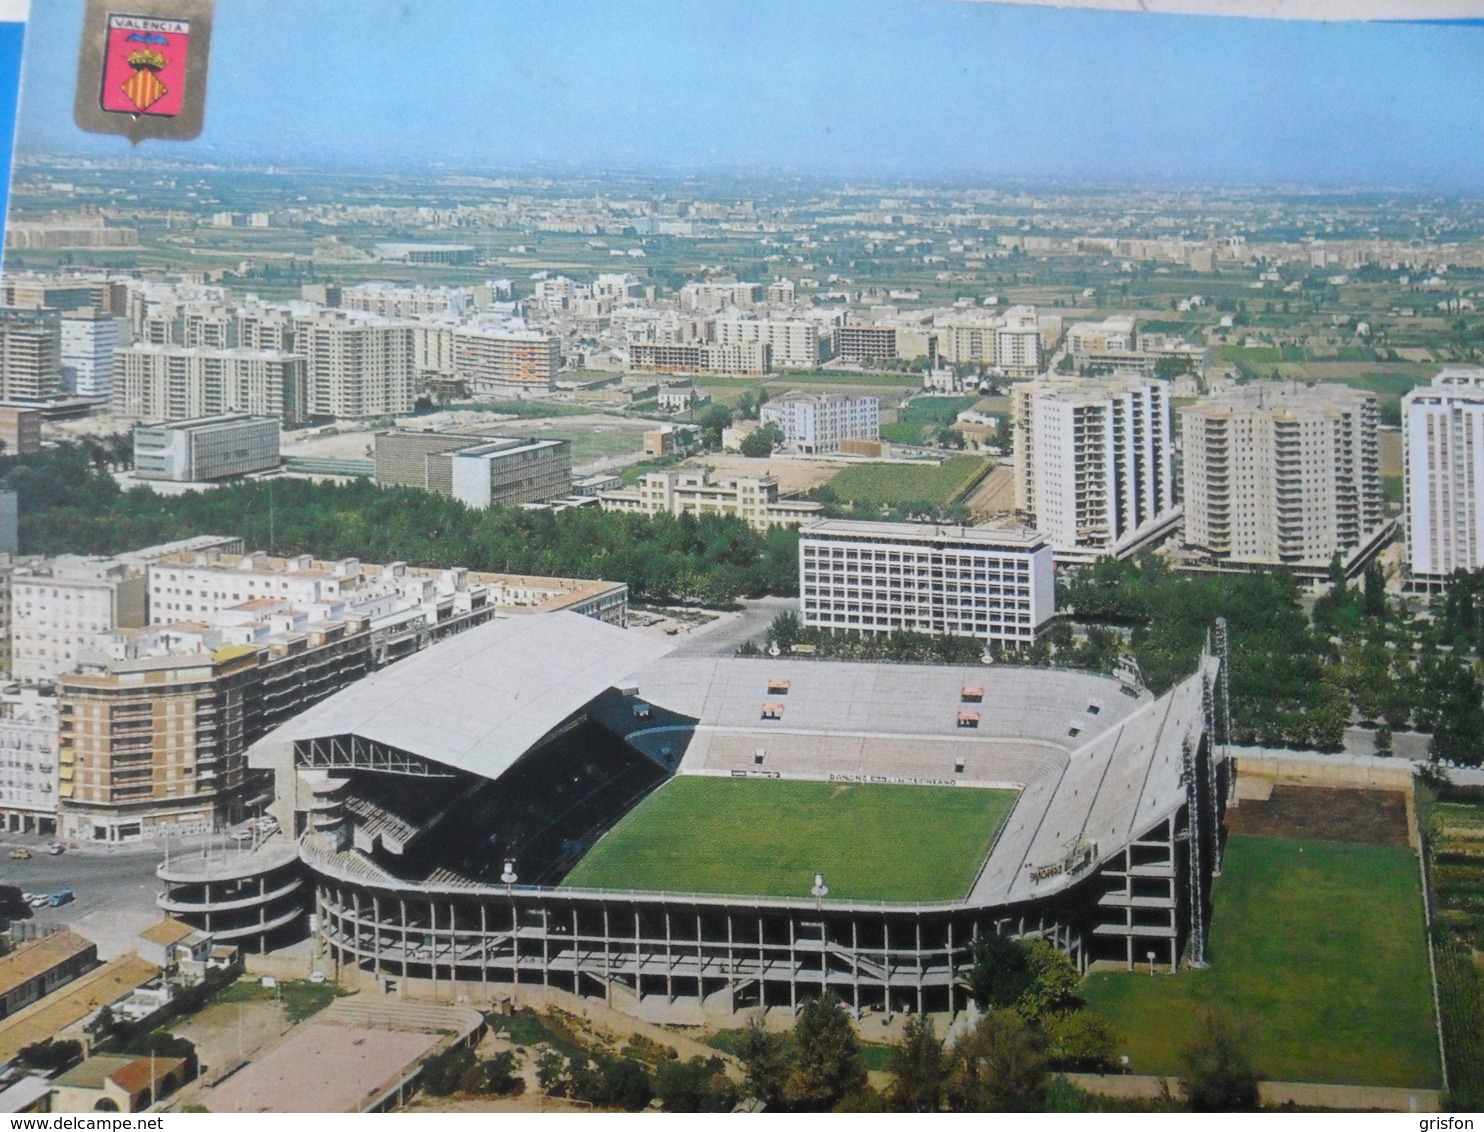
[1319, 947]
[768, 837]
[904, 483]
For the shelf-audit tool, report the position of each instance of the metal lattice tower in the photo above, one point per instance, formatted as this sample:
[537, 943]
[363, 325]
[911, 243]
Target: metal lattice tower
[1196, 885]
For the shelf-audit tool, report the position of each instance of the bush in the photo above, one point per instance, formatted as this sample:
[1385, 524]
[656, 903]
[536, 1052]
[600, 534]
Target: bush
[444, 1072]
[1219, 1076]
[697, 1085]
[51, 1055]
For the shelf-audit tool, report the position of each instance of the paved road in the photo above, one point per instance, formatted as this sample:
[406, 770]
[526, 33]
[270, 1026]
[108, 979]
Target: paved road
[723, 636]
[115, 889]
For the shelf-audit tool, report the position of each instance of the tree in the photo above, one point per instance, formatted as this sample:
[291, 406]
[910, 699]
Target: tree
[1053, 983]
[1219, 1076]
[762, 441]
[919, 1068]
[826, 1063]
[764, 1063]
[713, 421]
[1000, 972]
[999, 1066]
[696, 1085]
[1080, 1041]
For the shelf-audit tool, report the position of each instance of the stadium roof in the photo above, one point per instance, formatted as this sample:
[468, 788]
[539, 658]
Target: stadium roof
[480, 700]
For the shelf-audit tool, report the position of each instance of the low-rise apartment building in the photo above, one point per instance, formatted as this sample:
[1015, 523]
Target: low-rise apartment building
[693, 491]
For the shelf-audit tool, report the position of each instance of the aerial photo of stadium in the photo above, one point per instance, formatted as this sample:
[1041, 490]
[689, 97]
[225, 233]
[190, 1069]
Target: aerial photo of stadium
[685, 836]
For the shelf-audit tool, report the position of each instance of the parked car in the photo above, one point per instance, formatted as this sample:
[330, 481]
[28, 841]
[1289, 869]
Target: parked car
[62, 896]
[40, 900]
[56, 848]
[20, 854]
[242, 835]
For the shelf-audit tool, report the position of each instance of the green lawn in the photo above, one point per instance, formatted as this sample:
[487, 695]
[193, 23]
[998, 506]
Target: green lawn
[1320, 948]
[767, 837]
[904, 483]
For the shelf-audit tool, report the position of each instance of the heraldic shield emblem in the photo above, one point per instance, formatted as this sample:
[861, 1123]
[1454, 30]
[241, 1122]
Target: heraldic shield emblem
[144, 65]
[141, 68]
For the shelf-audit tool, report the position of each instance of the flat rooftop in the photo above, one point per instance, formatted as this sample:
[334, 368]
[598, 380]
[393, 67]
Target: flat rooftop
[320, 1068]
[1009, 538]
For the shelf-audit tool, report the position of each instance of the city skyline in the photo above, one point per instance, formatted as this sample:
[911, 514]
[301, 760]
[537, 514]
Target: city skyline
[885, 88]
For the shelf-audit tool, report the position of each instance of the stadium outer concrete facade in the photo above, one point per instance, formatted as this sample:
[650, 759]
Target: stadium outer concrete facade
[558, 725]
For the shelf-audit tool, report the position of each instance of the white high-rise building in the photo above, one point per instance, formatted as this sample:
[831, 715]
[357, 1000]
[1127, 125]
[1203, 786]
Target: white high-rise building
[89, 338]
[174, 383]
[821, 422]
[505, 359]
[926, 578]
[1282, 474]
[360, 365]
[1093, 463]
[1443, 473]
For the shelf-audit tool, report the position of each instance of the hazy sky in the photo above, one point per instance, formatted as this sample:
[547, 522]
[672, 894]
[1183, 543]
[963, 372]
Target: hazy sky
[907, 88]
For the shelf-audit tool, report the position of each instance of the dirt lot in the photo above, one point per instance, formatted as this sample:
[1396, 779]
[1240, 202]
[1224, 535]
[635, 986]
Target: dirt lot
[793, 475]
[1375, 817]
[1389, 447]
[995, 494]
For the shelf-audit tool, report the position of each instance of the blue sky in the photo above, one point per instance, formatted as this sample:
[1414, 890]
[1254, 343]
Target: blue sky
[891, 88]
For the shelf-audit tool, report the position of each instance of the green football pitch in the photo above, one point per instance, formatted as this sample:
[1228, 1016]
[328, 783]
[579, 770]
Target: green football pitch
[1318, 949]
[768, 837]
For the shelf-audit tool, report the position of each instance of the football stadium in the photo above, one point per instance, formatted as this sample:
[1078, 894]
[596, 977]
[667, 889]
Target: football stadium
[549, 800]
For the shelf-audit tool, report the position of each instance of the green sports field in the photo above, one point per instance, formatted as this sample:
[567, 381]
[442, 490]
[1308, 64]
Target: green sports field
[768, 837]
[1319, 947]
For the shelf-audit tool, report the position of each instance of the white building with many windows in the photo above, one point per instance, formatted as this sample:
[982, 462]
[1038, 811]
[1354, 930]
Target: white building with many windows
[1093, 469]
[206, 448]
[997, 585]
[1282, 474]
[820, 422]
[1443, 473]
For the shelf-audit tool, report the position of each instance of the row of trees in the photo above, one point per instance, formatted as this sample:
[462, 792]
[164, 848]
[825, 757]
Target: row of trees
[1034, 1027]
[1298, 678]
[68, 505]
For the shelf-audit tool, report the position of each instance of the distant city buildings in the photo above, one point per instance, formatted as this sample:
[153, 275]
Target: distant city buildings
[1282, 474]
[738, 359]
[691, 491]
[873, 577]
[817, 423]
[1115, 345]
[1093, 468]
[1442, 447]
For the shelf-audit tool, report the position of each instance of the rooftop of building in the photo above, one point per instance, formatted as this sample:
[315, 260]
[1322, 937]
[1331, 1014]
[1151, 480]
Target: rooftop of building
[167, 932]
[1281, 397]
[480, 700]
[39, 956]
[218, 420]
[1009, 538]
[65, 1008]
